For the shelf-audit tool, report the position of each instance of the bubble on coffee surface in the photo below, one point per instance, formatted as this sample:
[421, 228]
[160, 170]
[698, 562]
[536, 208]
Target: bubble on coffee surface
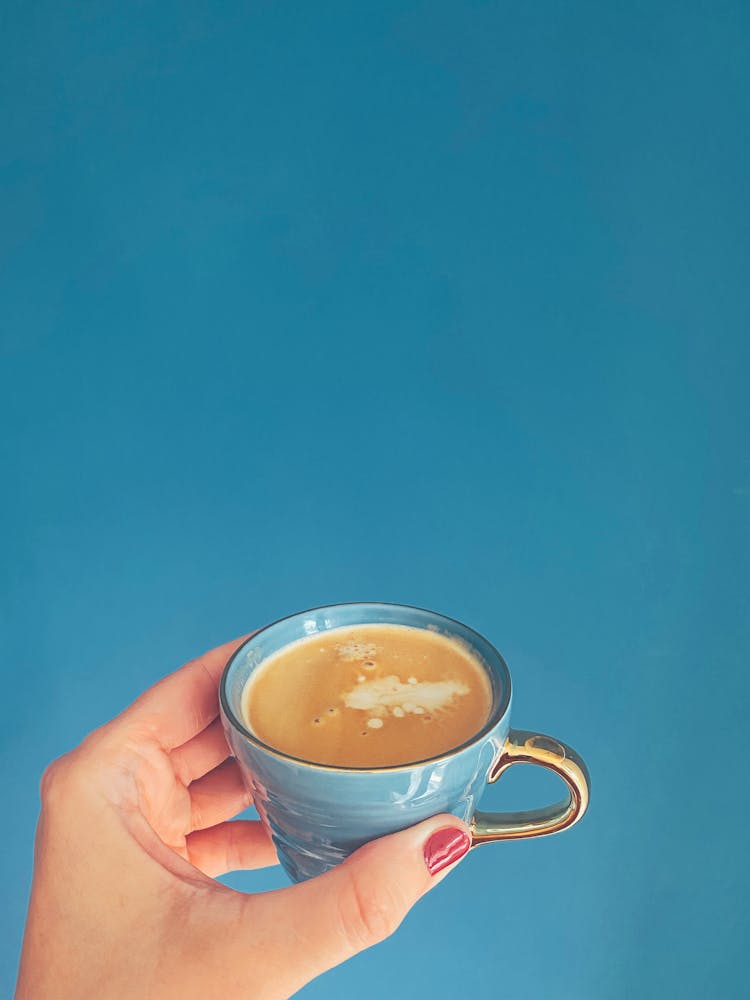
[328, 713]
[355, 650]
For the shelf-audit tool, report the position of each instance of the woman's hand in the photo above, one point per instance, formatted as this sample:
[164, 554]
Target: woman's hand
[133, 827]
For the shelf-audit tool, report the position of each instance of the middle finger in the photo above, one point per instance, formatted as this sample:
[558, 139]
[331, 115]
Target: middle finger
[218, 796]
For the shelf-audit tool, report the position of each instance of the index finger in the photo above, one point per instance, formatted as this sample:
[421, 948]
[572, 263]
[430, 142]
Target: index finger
[183, 703]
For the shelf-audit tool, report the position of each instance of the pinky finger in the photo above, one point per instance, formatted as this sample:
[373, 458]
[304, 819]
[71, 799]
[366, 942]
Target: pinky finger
[230, 846]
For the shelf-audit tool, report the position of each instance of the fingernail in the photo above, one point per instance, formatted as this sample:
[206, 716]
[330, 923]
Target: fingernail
[444, 847]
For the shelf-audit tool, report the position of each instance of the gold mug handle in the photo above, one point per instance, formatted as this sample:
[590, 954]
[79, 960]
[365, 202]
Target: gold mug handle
[522, 747]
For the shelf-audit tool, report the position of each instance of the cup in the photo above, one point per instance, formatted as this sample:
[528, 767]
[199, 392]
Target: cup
[317, 814]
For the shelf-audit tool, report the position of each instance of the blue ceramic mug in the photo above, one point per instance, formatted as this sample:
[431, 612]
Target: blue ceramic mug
[318, 814]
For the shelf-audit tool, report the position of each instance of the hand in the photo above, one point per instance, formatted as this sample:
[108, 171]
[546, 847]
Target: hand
[134, 825]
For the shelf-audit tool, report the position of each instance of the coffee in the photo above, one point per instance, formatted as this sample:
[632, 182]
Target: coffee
[368, 696]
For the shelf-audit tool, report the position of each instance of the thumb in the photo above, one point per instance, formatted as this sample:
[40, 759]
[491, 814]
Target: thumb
[363, 900]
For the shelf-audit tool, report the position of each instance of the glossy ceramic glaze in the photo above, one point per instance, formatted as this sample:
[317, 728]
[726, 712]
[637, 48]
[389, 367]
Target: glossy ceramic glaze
[317, 814]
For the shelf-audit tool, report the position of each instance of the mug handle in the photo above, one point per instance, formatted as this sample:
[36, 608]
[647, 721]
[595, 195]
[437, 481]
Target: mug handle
[523, 747]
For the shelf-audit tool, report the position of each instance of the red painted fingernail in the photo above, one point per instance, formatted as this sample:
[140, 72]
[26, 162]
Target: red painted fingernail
[445, 847]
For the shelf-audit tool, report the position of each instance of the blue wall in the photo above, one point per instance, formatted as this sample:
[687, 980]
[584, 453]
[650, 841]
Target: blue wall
[437, 303]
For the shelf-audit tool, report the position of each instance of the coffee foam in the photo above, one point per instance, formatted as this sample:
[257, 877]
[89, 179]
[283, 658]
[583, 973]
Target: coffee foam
[354, 650]
[414, 697]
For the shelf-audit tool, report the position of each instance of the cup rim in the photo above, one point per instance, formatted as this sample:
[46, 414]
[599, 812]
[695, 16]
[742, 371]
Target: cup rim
[493, 720]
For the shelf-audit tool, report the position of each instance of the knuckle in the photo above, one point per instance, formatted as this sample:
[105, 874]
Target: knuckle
[66, 778]
[368, 910]
[55, 777]
[197, 821]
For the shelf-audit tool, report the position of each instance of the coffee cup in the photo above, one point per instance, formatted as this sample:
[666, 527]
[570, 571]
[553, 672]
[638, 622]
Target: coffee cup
[317, 814]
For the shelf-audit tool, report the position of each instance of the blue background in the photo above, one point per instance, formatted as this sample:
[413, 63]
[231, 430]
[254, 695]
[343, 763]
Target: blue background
[437, 303]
